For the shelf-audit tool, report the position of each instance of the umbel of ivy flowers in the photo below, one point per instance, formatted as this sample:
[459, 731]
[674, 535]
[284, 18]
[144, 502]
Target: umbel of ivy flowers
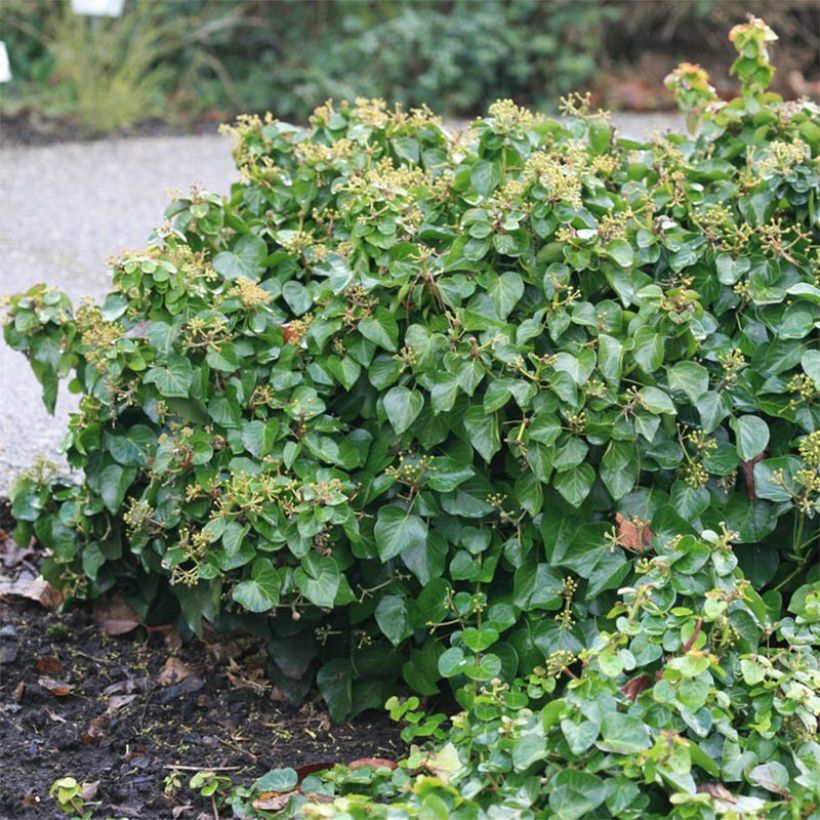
[414, 404]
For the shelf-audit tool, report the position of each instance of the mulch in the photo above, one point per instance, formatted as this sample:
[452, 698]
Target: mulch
[120, 711]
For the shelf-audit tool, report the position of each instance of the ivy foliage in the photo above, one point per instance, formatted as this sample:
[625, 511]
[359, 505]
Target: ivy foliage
[414, 405]
[681, 710]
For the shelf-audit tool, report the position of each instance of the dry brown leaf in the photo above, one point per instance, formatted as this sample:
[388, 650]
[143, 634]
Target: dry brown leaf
[634, 686]
[114, 617]
[178, 811]
[35, 589]
[375, 762]
[49, 665]
[58, 688]
[116, 702]
[54, 717]
[252, 678]
[173, 671]
[127, 686]
[273, 801]
[96, 730]
[717, 790]
[89, 790]
[11, 553]
[19, 692]
[633, 534]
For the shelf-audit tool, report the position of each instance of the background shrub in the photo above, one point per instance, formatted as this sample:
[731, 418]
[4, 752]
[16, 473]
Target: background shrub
[453, 55]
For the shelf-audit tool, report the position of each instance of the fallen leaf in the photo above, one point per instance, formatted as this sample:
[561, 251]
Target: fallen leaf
[49, 665]
[35, 589]
[309, 768]
[189, 686]
[273, 801]
[290, 333]
[58, 688]
[374, 762]
[633, 534]
[116, 702]
[89, 790]
[12, 553]
[178, 811]
[173, 640]
[114, 617]
[242, 678]
[128, 686]
[54, 717]
[19, 692]
[173, 671]
[717, 790]
[634, 686]
[96, 730]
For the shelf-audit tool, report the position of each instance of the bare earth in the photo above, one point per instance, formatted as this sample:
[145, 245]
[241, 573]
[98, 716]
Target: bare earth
[65, 209]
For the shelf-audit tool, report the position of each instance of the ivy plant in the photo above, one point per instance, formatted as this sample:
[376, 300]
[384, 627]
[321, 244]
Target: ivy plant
[414, 405]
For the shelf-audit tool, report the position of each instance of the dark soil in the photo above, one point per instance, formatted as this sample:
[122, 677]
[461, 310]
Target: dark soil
[75, 701]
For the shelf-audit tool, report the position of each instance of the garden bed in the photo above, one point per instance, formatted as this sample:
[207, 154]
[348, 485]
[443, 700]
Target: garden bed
[123, 710]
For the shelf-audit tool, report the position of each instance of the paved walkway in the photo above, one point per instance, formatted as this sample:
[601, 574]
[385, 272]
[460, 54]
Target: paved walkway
[64, 209]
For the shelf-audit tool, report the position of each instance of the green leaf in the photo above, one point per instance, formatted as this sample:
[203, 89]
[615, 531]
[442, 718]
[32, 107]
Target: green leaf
[402, 407]
[648, 349]
[485, 176]
[619, 468]
[621, 251]
[479, 639]
[623, 734]
[246, 259]
[258, 437]
[261, 592]
[575, 484]
[114, 484]
[397, 530]
[690, 378]
[610, 357]
[447, 473]
[575, 794]
[335, 682]
[656, 401]
[505, 293]
[381, 329]
[482, 430]
[531, 748]
[393, 620]
[751, 436]
[318, 579]
[297, 296]
[173, 379]
[277, 780]
[810, 362]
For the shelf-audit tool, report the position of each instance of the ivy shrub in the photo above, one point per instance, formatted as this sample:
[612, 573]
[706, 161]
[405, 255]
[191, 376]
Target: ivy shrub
[416, 405]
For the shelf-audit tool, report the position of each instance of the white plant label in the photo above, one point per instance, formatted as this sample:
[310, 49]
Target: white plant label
[5, 67]
[98, 8]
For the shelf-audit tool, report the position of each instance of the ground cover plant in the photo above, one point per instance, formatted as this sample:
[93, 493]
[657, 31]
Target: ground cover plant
[528, 413]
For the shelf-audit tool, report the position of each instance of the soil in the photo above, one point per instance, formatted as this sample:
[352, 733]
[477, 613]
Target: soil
[28, 127]
[124, 710]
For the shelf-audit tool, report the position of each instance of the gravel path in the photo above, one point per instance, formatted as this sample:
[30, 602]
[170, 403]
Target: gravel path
[66, 209]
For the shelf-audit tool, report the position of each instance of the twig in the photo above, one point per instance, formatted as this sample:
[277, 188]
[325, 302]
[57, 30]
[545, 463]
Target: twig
[239, 749]
[201, 768]
[694, 636]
